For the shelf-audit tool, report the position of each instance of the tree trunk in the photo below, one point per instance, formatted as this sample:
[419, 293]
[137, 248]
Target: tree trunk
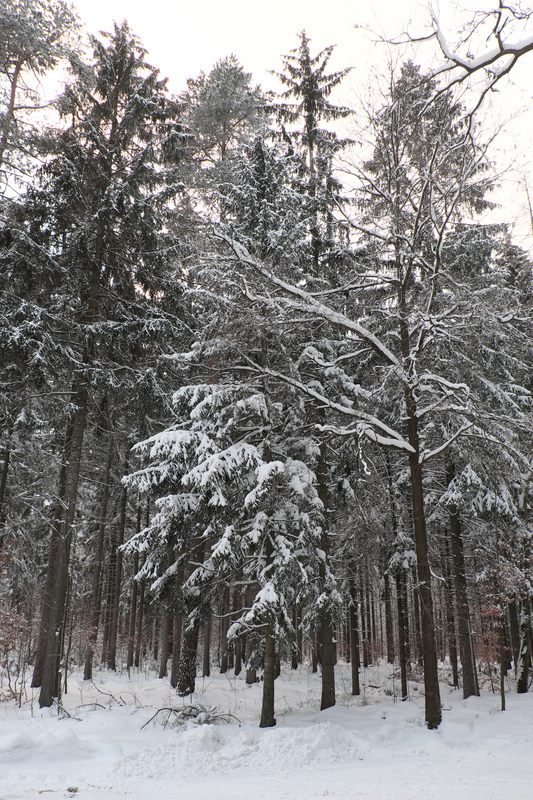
[154, 636]
[268, 719]
[450, 621]
[389, 628]
[403, 630]
[237, 669]
[354, 643]
[294, 648]
[503, 658]
[524, 660]
[433, 713]
[224, 625]
[48, 592]
[417, 623]
[314, 652]
[364, 633]
[133, 602]
[327, 644]
[115, 608]
[164, 632]
[9, 113]
[96, 585]
[466, 649]
[6, 458]
[251, 674]
[186, 679]
[68, 486]
[206, 666]
[176, 649]
[140, 627]
[515, 634]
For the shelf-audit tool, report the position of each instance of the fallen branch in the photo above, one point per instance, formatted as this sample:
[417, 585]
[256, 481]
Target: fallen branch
[198, 714]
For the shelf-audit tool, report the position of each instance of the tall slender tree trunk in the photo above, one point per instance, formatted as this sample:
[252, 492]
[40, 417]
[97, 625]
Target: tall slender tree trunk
[115, 609]
[294, 649]
[466, 649]
[237, 669]
[433, 711]
[251, 674]
[206, 665]
[96, 584]
[6, 459]
[224, 626]
[503, 657]
[369, 626]
[403, 630]
[327, 645]
[417, 622]
[133, 599]
[164, 633]
[133, 609]
[69, 478]
[48, 590]
[389, 627]
[524, 660]
[186, 681]
[268, 719]
[176, 649]
[354, 642]
[515, 633]
[140, 626]
[450, 619]
[9, 114]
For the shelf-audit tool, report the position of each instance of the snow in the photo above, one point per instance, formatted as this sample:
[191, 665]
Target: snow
[367, 747]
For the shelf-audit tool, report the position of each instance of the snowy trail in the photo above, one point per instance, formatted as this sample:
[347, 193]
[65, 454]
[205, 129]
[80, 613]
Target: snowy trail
[378, 750]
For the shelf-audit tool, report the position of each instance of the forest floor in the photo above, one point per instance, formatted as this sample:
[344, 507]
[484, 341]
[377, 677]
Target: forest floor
[366, 748]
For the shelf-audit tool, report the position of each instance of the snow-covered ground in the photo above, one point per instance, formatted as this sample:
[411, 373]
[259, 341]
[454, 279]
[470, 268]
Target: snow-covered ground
[367, 748]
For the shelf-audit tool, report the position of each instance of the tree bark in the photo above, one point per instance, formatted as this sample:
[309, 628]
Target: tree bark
[524, 660]
[224, 625]
[115, 608]
[433, 713]
[6, 458]
[268, 719]
[403, 630]
[96, 584]
[68, 486]
[364, 634]
[354, 643]
[164, 632]
[503, 658]
[186, 679]
[206, 666]
[294, 649]
[515, 633]
[9, 114]
[251, 674]
[466, 649]
[450, 620]
[140, 627]
[176, 649]
[327, 644]
[389, 628]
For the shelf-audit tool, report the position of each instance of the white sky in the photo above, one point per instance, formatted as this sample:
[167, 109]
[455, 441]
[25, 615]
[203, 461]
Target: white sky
[184, 38]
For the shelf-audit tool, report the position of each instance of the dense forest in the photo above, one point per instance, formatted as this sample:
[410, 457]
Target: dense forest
[265, 375]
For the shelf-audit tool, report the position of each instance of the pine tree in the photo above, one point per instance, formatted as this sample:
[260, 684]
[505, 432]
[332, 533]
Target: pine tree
[104, 202]
[34, 36]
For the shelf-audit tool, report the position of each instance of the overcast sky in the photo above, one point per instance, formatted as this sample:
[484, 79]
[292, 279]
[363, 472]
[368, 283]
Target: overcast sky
[184, 38]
